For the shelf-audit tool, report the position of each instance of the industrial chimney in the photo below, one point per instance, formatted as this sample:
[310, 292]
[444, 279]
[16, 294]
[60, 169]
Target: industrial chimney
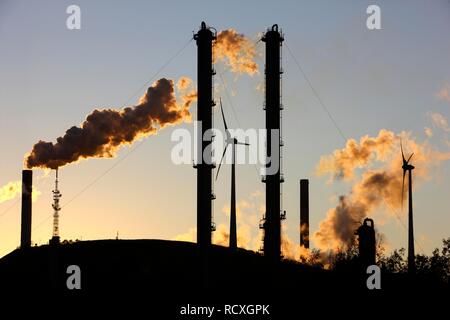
[204, 165]
[304, 213]
[27, 190]
[273, 107]
[367, 243]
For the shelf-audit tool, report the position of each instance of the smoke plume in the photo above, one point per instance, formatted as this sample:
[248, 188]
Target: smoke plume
[184, 83]
[379, 185]
[248, 212]
[343, 162]
[13, 189]
[236, 51]
[105, 130]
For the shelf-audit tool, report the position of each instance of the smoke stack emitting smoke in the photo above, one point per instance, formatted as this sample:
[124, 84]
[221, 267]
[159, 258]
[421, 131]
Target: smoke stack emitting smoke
[104, 131]
[375, 186]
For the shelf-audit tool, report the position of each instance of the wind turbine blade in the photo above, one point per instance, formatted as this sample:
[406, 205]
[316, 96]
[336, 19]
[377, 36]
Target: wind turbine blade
[223, 115]
[220, 164]
[403, 187]
[410, 157]
[243, 143]
[401, 148]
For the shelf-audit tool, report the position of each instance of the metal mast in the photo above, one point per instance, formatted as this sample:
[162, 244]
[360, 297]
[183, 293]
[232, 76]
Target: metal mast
[56, 208]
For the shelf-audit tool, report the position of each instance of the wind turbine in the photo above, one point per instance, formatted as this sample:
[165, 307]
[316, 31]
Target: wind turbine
[407, 167]
[233, 142]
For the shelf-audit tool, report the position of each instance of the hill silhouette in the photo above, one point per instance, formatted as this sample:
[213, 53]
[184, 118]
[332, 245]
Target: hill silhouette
[166, 275]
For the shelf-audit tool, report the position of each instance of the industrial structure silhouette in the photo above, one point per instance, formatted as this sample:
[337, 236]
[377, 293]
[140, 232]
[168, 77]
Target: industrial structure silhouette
[167, 265]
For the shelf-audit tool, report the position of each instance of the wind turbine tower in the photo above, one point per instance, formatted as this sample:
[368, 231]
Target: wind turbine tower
[233, 142]
[407, 167]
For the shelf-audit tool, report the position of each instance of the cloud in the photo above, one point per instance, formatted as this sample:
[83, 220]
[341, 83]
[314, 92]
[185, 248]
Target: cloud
[439, 121]
[428, 132]
[444, 93]
[13, 189]
[343, 162]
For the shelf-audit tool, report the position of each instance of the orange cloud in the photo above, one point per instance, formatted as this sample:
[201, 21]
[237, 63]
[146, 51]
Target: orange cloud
[13, 189]
[444, 93]
[343, 162]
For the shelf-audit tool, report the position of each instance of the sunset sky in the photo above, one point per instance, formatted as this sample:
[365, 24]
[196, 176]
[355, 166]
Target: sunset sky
[396, 78]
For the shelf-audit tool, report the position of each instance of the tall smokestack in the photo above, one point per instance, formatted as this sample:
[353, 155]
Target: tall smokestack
[304, 213]
[274, 215]
[27, 189]
[204, 166]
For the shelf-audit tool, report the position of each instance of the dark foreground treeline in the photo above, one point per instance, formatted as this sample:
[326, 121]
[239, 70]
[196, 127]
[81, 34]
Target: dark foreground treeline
[433, 269]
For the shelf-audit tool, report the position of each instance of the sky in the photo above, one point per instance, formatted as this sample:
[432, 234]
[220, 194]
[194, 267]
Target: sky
[396, 78]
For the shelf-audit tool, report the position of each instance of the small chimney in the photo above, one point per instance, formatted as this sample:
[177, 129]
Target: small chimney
[367, 243]
[27, 189]
[304, 213]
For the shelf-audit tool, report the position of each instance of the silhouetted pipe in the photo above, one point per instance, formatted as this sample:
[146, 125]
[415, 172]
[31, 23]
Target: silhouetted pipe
[204, 166]
[27, 190]
[272, 224]
[304, 213]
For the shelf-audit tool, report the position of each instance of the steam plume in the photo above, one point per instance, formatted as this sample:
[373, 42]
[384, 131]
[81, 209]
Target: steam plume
[10, 191]
[248, 212]
[104, 131]
[14, 189]
[237, 51]
[184, 83]
[375, 186]
[343, 162]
